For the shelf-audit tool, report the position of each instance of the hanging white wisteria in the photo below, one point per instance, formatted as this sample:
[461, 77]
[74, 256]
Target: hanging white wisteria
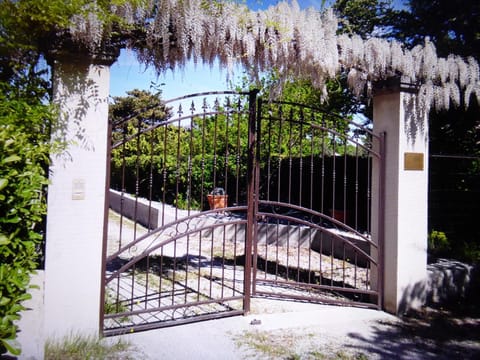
[299, 42]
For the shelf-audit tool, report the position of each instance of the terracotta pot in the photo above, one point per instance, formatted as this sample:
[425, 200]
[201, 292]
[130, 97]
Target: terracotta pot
[217, 201]
[338, 215]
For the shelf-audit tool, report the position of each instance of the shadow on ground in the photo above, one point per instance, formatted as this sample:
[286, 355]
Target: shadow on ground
[426, 334]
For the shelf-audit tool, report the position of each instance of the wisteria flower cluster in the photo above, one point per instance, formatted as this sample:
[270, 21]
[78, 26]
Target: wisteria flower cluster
[295, 41]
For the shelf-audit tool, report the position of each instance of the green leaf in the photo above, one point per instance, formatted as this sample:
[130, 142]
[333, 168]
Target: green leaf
[3, 183]
[9, 142]
[11, 158]
[4, 301]
[12, 346]
[12, 220]
[4, 240]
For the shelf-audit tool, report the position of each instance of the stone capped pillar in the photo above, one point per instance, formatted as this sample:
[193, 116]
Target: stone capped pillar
[405, 190]
[76, 195]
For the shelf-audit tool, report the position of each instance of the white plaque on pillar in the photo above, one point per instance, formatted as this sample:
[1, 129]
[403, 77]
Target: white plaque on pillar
[78, 189]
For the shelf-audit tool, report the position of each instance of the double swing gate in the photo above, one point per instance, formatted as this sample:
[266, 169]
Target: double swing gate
[219, 197]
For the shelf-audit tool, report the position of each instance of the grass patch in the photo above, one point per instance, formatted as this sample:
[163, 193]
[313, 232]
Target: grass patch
[81, 347]
[112, 306]
[263, 344]
[292, 346]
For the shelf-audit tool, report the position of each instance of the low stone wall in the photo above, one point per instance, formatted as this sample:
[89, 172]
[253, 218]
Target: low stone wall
[135, 209]
[302, 236]
[451, 281]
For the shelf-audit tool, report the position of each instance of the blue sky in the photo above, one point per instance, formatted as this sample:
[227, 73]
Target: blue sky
[127, 74]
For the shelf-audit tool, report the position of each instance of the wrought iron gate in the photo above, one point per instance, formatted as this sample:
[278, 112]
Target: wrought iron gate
[313, 207]
[218, 197]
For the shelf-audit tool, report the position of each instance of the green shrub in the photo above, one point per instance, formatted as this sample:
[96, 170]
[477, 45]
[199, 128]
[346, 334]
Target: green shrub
[22, 207]
[438, 243]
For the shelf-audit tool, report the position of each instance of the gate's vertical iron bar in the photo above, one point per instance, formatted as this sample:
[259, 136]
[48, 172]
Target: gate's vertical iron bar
[279, 154]
[137, 177]
[202, 181]
[189, 192]
[299, 237]
[300, 170]
[106, 211]
[279, 183]
[269, 157]
[369, 194]
[124, 168]
[290, 144]
[257, 157]
[190, 161]
[174, 270]
[322, 191]
[267, 147]
[277, 248]
[381, 222]
[147, 278]
[150, 182]
[265, 266]
[332, 252]
[289, 184]
[250, 198]
[223, 261]
[228, 108]
[345, 160]
[132, 286]
[238, 155]
[234, 265]
[177, 169]
[215, 134]
[356, 185]
[237, 190]
[368, 274]
[164, 173]
[212, 241]
[199, 275]
[321, 257]
[160, 278]
[356, 268]
[312, 158]
[312, 169]
[334, 170]
[300, 192]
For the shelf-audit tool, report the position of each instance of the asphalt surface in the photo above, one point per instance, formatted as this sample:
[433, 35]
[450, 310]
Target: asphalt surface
[274, 329]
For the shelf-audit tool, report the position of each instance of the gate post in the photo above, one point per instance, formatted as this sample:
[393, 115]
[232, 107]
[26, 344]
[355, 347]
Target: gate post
[251, 199]
[76, 195]
[403, 234]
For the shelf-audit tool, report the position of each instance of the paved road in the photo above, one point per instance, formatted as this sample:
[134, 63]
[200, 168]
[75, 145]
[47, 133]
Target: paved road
[291, 330]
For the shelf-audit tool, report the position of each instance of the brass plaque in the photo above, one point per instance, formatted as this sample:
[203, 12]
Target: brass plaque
[413, 161]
